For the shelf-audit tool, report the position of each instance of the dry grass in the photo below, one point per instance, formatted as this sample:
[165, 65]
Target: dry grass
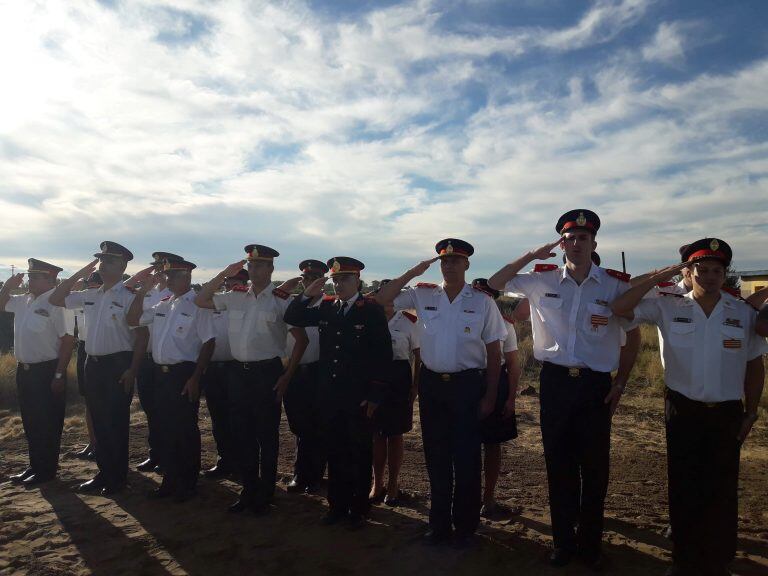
[8, 397]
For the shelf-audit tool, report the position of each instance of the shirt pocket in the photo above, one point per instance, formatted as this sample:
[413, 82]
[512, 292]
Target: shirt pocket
[733, 339]
[681, 334]
[182, 326]
[471, 324]
[37, 322]
[596, 319]
[117, 314]
[264, 321]
[236, 318]
[431, 320]
[549, 303]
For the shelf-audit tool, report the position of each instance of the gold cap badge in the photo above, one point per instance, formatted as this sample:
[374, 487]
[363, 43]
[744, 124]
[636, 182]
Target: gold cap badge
[336, 266]
[581, 220]
[449, 249]
[714, 245]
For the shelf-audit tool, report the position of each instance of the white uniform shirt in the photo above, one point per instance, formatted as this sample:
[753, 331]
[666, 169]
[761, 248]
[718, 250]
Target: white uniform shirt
[257, 330]
[151, 298]
[405, 336]
[573, 324]
[510, 343]
[312, 352]
[221, 351]
[107, 330]
[37, 327]
[453, 335]
[705, 359]
[181, 329]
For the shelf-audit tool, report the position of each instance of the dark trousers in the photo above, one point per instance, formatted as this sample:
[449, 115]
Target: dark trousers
[349, 445]
[448, 408]
[147, 389]
[215, 386]
[179, 436]
[109, 405]
[576, 431]
[42, 414]
[703, 469]
[255, 416]
[81, 355]
[301, 408]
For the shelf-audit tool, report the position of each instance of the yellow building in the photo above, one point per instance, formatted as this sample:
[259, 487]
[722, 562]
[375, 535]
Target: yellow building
[752, 281]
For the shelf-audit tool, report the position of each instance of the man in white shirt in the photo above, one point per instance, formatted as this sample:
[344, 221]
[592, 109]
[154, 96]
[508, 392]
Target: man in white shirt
[182, 344]
[114, 356]
[461, 333]
[43, 344]
[257, 381]
[712, 359]
[578, 339]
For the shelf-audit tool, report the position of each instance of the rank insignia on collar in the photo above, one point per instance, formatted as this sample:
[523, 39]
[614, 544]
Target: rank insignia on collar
[714, 245]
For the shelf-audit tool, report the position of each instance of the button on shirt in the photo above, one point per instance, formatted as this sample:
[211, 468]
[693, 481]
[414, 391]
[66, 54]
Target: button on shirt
[453, 335]
[312, 352]
[221, 351]
[257, 330]
[37, 327]
[705, 359]
[107, 330]
[405, 336]
[573, 324]
[180, 328]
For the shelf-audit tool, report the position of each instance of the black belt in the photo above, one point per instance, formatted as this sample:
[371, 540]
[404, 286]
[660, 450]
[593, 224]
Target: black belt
[572, 371]
[683, 399]
[454, 376]
[166, 368]
[27, 366]
[105, 357]
[257, 363]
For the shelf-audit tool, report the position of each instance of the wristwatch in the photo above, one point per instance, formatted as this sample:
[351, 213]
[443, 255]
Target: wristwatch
[58, 375]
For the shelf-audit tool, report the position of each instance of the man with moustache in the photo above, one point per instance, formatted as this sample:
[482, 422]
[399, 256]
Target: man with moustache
[43, 345]
[461, 334]
[182, 344]
[114, 356]
[712, 359]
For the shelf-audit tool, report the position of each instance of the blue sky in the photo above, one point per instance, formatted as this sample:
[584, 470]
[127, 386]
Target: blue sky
[374, 129]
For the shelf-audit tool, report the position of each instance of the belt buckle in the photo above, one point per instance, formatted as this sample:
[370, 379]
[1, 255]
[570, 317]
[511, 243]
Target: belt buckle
[445, 377]
[710, 404]
[246, 366]
[25, 366]
[164, 369]
[574, 372]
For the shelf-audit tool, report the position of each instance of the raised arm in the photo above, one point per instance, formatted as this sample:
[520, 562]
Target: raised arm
[204, 299]
[299, 313]
[761, 326]
[137, 305]
[391, 289]
[65, 286]
[499, 280]
[11, 284]
[625, 304]
[757, 299]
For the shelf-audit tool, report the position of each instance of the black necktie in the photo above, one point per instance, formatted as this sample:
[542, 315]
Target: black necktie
[342, 308]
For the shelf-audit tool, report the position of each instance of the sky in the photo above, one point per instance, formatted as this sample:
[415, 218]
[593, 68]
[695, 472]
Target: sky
[374, 129]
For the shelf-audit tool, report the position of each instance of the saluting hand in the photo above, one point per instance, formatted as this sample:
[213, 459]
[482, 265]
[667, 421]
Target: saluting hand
[14, 281]
[86, 270]
[316, 288]
[545, 252]
[232, 269]
[421, 267]
[669, 272]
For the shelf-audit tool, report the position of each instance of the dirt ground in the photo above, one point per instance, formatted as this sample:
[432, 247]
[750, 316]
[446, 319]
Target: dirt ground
[53, 530]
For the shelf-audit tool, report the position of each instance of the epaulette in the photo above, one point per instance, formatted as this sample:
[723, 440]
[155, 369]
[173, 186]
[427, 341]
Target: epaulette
[665, 285]
[240, 288]
[328, 298]
[280, 293]
[130, 289]
[481, 290]
[732, 291]
[508, 318]
[166, 298]
[671, 294]
[426, 285]
[410, 316]
[544, 267]
[623, 276]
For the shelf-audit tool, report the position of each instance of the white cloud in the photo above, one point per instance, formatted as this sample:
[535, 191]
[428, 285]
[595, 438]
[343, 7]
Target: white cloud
[666, 46]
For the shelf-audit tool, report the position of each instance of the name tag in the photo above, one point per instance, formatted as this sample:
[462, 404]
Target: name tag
[551, 295]
[469, 311]
[185, 314]
[683, 320]
[601, 302]
[734, 322]
[89, 303]
[430, 307]
[42, 312]
[159, 314]
[116, 304]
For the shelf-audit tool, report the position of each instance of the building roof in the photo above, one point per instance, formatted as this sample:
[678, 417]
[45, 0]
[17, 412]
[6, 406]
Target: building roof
[753, 273]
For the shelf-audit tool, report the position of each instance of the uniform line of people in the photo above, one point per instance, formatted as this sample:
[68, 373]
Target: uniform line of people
[348, 369]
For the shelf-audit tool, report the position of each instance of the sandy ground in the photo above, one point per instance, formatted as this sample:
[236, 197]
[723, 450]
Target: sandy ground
[53, 530]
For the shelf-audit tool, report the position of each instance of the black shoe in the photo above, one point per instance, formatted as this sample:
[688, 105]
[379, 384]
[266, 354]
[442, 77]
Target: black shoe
[21, 476]
[356, 521]
[313, 488]
[436, 538]
[595, 562]
[668, 532]
[294, 486]
[378, 497]
[162, 491]
[91, 455]
[560, 557]
[158, 470]
[681, 570]
[93, 485]
[217, 471]
[183, 495]
[488, 510]
[392, 500]
[463, 541]
[240, 505]
[333, 517]
[36, 479]
[147, 466]
[84, 453]
[113, 489]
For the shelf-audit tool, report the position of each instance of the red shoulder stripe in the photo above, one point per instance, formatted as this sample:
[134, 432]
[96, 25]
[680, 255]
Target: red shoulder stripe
[166, 298]
[508, 318]
[623, 276]
[328, 298]
[670, 294]
[426, 285]
[732, 291]
[240, 288]
[412, 317]
[544, 267]
[665, 284]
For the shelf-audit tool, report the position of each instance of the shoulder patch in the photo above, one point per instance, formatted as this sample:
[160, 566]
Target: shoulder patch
[508, 318]
[623, 276]
[412, 317]
[240, 288]
[328, 298]
[732, 291]
[166, 298]
[665, 284]
[545, 267]
[282, 294]
[426, 285]
[676, 295]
